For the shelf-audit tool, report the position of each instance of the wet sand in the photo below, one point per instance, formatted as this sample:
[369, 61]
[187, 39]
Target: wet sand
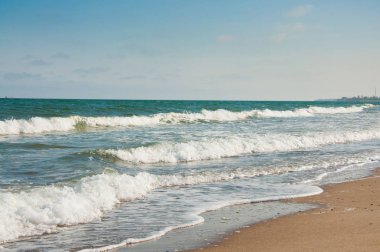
[348, 220]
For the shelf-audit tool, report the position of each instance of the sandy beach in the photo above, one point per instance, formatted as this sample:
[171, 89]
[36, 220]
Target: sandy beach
[348, 220]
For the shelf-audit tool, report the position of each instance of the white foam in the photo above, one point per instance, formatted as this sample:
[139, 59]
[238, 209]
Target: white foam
[313, 110]
[42, 210]
[45, 209]
[216, 148]
[37, 125]
[153, 236]
[306, 191]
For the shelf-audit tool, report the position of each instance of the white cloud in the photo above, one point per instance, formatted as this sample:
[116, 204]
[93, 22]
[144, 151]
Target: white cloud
[300, 11]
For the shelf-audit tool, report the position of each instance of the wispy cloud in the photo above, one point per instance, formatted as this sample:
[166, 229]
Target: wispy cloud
[280, 37]
[133, 77]
[39, 62]
[129, 49]
[13, 76]
[286, 31]
[300, 11]
[35, 60]
[224, 38]
[90, 70]
[29, 57]
[60, 56]
[297, 27]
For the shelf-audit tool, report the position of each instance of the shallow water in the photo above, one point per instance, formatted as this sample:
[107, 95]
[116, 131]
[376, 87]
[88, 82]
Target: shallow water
[78, 174]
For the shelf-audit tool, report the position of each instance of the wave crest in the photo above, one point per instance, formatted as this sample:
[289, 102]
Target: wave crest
[36, 125]
[44, 210]
[217, 148]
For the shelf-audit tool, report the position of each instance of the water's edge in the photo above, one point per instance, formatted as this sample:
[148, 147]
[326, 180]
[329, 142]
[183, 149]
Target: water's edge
[218, 224]
[221, 222]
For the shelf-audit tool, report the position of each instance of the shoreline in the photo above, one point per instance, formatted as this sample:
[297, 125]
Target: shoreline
[217, 223]
[221, 223]
[347, 219]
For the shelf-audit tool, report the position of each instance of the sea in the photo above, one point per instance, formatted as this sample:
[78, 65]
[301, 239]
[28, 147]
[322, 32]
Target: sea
[96, 174]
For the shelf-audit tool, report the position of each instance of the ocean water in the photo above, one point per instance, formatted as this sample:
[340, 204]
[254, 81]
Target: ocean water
[84, 174]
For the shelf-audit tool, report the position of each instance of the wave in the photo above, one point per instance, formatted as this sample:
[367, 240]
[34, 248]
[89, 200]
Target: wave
[37, 125]
[312, 111]
[46, 209]
[216, 148]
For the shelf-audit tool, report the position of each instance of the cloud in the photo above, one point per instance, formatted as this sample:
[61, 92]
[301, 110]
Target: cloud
[300, 11]
[28, 57]
[90, 70]
[11, 76]
[39, 62]
[280, 37]
[132, 49]
[60, 56]
[225, 38]
[35, 60]
[133, 77]
[234, 76]
[286, 31]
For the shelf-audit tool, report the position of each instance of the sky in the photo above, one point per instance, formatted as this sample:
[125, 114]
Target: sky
[198, 49]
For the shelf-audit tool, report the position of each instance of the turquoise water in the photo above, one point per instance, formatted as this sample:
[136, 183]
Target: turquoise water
[77, 174]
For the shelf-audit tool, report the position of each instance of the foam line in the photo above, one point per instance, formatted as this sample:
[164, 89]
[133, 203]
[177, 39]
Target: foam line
[37, 125]
[216, 148]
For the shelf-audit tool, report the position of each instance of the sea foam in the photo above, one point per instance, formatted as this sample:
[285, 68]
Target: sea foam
[37, 125]
[216, 148]
[46, 209]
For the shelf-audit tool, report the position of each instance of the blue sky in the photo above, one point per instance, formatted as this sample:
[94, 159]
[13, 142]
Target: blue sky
[199, 49]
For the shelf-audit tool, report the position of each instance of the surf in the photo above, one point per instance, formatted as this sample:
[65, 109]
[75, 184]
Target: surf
[38, 125]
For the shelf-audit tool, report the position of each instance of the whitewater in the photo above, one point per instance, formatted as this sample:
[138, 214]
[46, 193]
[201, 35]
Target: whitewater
[233, 146]
[37, 125]
[93, 175]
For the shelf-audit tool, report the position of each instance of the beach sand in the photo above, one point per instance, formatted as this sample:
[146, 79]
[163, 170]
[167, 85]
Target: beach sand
[348, 220]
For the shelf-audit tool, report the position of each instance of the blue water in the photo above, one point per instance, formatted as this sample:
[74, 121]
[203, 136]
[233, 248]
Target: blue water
[77, 174]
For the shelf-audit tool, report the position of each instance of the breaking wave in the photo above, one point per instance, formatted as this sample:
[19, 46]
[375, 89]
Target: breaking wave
[36, 125]
[46, 209]
[216, 148]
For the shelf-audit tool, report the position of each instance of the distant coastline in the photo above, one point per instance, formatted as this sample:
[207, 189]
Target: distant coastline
[355, 99]
[360, 98]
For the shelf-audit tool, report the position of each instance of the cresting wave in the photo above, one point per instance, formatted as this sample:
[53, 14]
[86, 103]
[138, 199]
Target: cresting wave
[216, 148]
[36, 125]
[44, 210]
